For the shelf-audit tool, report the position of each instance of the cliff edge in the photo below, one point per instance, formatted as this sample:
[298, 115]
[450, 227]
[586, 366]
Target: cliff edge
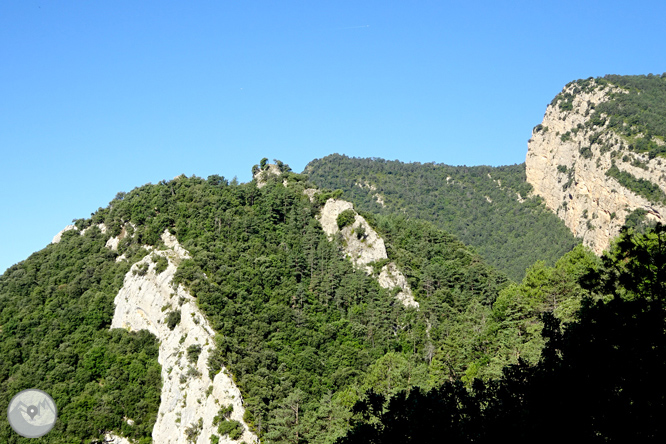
[588, 171]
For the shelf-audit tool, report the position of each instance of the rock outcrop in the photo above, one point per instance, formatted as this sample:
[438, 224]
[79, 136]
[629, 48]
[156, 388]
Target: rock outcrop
[567, 161]
[363, 246]
[57, 237]
[190, 399]
[262, 175]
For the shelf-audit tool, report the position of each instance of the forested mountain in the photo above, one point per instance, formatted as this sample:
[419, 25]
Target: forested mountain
[317, 347]
[486, 207]
[303, 332]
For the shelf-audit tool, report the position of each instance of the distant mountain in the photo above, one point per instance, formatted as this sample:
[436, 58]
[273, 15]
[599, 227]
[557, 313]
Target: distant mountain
[489, 208]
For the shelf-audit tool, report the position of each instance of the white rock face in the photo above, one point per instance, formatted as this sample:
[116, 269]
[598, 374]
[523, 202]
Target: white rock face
[113, 439]
[310, 192]
[391, 277]
[594, 206]
[262, 176]
[188, 394]
[369, 248]
[378, 197]
[57, 237]
[113, 242]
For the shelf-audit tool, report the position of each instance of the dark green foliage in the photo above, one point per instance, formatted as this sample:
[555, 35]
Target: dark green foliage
[637, 220]
[296, 324]
[599, 380]
[141, 269]
[172, 319]
[640, 110]
[193, 352]
[230, 427]
[345, 218]
[55, 313]
[508, 234]
[585, 151]
[161, 264]
[640, 186]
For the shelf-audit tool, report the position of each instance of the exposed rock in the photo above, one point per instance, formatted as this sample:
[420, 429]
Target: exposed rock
[391, 277]
[378, 197]
[262, 176]
[310, 192]
[110, 438]
[188, 394]
[101, 227]
[57, 237]
[113, 242]
[593, 205]
[366, 184]
[364, 250]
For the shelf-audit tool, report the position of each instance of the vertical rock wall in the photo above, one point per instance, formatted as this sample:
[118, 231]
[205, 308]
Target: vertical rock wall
[575, 186]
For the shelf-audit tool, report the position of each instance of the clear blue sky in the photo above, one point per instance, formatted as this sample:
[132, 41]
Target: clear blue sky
[98, 97]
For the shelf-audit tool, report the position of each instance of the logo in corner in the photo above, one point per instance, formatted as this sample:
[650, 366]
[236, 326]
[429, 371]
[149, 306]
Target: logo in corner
[32, 413]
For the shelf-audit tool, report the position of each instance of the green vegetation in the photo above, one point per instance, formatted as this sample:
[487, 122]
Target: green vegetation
[193, 352]
[172, 319]
[639, 110]
[345, 218]
[309, 340]
[161, 264]
[600, 379]
[226, 426]
[302, 332]
[55, 313]
[510, 235]
[642, 187]
[637, 113]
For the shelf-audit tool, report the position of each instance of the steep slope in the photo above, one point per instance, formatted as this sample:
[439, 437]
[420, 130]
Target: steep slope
[157, 294]
[597, 159]
[56, 309]
[190, 399]
[486, 207]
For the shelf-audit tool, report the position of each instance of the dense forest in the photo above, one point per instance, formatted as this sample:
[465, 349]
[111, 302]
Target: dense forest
[319, 350]
[55, 312]
[600, 379]
[485, 207]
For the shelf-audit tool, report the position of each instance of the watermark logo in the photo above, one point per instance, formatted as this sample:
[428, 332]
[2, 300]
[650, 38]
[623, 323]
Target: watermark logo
[32, 413]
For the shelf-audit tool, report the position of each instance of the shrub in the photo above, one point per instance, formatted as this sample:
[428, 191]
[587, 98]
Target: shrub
[232, 428]
[172, 319]
[161, 264]
[345, 218]
[193, 352]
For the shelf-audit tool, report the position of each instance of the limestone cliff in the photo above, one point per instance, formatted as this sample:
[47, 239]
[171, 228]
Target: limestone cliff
[568, 160]
[365, 249]
[190, 399]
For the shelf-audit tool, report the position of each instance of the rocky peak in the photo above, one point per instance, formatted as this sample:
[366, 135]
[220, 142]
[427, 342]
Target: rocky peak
[581, 167]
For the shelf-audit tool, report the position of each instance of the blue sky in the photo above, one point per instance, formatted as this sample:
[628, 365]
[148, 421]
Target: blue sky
[100, 97]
